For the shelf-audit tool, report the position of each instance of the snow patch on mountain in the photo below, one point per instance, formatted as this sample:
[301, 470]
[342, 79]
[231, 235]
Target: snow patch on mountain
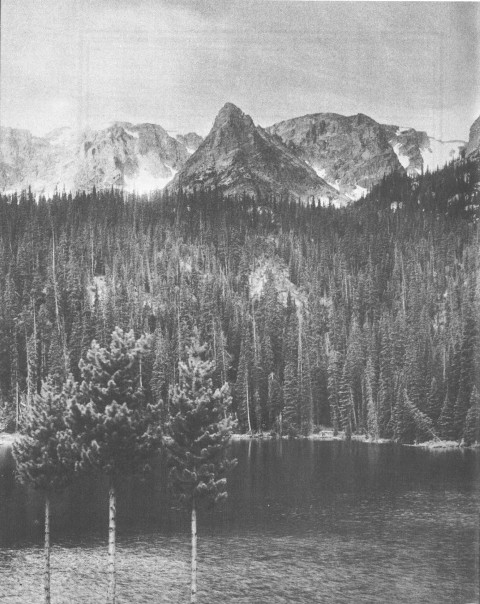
[132, 133]
[357, 193]
[440, 153]
[403, 158]
[320, 171]
[61, 137]
[145, 182]
[354, 193]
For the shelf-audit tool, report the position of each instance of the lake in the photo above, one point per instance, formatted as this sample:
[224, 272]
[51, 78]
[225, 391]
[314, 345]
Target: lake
[306, 521]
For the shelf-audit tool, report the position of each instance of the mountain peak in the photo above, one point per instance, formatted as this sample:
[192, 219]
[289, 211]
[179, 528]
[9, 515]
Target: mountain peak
[239, 157]
[473, 147]
[230, 109]
[231, 114]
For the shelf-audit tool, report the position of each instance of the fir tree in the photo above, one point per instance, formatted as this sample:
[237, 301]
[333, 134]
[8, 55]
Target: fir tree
[445, 422]
[243, 395]
[372, 413]
[115, 430]
[471, 434]
[290, 415]
[44, 452]
[345, 402]
[402, 424]
[198, 433]
[467, 372]
[333, 389]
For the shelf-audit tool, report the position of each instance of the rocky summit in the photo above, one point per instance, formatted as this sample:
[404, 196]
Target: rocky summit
[239, 157]
[324, 156]
[133, 157]
[354, 152]
[192, 141]
[473, 147]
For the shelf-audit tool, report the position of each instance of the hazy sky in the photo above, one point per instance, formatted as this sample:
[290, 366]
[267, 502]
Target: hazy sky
[79, 62]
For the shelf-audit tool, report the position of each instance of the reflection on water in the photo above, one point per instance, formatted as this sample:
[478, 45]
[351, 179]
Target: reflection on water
[305, 522]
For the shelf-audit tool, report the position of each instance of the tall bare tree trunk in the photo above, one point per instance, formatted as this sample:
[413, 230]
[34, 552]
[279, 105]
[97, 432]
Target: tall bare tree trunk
[112, 527]
[193, 593]
[47, 549]
[248, 410]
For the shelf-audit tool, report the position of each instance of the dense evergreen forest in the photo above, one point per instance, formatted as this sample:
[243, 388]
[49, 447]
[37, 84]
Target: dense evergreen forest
[361, 318]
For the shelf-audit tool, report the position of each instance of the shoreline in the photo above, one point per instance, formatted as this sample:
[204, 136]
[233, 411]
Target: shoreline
[7, 439]
[328, 436]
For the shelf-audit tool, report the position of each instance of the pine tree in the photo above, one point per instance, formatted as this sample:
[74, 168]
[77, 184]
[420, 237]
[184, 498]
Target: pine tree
[402, 422]
[423, 423]
[445, 422]
[160, 374]
[471, 434]
[115, 430]
[434, 401]
[345, 402]
[333, 389]
[243, 394]
[467, 372]
[198, 433]
[290, 415]
[56, 358]
[372, 413]
[44, 453]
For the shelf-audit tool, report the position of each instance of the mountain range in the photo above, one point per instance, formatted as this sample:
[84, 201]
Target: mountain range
[326, 156]
[238, 157]
[138, 158]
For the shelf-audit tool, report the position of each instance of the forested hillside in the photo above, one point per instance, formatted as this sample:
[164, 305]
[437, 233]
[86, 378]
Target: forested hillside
[363, 318]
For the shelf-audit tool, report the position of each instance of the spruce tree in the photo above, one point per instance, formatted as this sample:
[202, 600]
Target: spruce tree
[115, 430]
[345, 402]
[371, 405]
[333, 389]
[243, 394]
[198, 432]
[445, 422]
[471, 434]
[44, 452]
[291, 415]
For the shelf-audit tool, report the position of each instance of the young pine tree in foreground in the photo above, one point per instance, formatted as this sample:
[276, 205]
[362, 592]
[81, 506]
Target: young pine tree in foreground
[116, 431]
[44, 453]
[198, 432]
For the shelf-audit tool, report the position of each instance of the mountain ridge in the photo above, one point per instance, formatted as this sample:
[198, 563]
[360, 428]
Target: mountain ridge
[354, 152]
[134, 157]
[327, 156]
[239, 157]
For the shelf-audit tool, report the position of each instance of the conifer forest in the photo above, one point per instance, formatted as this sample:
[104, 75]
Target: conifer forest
[362, 318]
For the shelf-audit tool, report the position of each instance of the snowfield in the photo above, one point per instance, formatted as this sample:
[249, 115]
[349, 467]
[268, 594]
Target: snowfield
[440, 153]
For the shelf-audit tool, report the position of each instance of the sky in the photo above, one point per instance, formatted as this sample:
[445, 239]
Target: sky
[86, 63]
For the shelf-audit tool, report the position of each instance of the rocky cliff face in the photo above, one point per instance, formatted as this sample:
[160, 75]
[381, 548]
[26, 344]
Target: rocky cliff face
[191, 141]
[139, 157]
[330, 157]
[418, 152]
[473, 147]
[239, 157]
[354, 152]
[347, 152]
[26, 159]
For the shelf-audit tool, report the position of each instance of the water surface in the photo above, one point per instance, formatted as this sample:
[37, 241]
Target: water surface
[306, 521]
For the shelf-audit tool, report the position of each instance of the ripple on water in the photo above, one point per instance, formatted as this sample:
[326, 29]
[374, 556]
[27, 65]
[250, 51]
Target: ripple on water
[349, 527]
